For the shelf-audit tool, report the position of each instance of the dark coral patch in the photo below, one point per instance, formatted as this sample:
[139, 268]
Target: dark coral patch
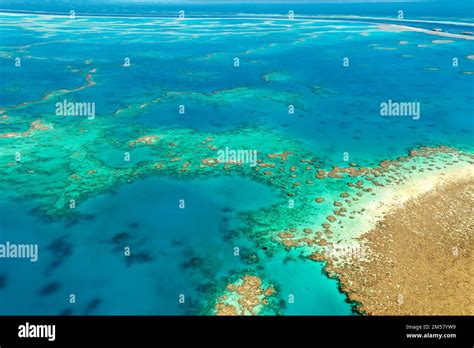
[60, 249]
[92, 306]
[140, 257]
[3, 281]
[49, 288]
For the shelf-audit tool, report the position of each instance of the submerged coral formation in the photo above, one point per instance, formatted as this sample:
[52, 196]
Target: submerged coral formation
[247, 296]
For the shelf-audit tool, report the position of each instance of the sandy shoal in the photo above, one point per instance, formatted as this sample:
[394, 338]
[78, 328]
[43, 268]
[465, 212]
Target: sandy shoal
[420, 254]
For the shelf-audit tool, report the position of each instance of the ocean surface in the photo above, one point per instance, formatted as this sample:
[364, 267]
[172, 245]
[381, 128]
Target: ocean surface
[334, 64]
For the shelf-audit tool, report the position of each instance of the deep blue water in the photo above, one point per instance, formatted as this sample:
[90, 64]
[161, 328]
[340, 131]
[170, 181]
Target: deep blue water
[172, 249]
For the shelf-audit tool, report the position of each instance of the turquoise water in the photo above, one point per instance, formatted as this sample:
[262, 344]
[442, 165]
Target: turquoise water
[191, 62]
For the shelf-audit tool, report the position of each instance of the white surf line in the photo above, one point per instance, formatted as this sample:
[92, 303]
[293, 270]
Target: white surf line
[426, 31]
[468, 24]
[271, 16]
[277, 17]
[464, 24]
